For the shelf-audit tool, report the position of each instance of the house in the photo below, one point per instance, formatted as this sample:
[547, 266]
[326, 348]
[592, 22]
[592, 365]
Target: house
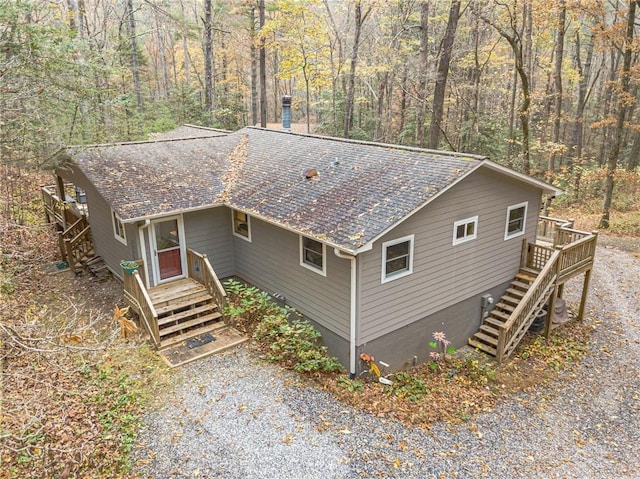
[378, 245]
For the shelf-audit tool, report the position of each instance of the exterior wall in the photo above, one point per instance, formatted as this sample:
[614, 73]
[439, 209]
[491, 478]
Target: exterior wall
[445, 275]
[458, 321]
[105, 243]
[271, 261]
[209, 232]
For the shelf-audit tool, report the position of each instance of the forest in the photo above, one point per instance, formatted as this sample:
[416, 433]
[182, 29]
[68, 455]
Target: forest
[547, 87]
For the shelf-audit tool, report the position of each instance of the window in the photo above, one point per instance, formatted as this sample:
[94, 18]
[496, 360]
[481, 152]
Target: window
[118, 228]
[465, 230]
[312, 255]
[241, 225]
[516, 218]
[397, 258]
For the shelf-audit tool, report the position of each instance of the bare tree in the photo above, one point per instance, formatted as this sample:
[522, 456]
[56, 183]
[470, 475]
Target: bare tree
[348, 110]
[625, 102]
[442, 74]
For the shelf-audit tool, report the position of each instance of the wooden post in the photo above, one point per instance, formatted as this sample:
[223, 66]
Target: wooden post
[63, 248]
[552, 298]
[585, 294]
[524, 254]
[62, 197]
[547, 323]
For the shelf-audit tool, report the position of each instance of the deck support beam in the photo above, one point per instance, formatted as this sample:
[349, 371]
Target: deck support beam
[585, 294]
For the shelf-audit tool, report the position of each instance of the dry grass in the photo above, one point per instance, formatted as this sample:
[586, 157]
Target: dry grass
[72, 389]
[461, 387]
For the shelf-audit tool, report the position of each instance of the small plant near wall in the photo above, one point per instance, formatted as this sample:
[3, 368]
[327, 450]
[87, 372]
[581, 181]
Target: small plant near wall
[440, 346]
[294, 343]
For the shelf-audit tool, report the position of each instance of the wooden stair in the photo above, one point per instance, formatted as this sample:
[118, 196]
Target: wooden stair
[185, 310]
[486, 339]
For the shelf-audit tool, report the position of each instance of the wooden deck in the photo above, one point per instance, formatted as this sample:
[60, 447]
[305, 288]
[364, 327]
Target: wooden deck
[562, 254]
[183, 314]
[74, 233]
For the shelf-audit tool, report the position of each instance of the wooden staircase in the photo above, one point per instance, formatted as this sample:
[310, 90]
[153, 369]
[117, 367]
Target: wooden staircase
[185, 309]
[486, 339]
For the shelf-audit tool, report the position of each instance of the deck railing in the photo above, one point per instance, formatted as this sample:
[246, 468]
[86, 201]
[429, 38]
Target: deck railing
[548, 228]
[512, 330]
[62, 213]
[199, 268]
[573, 253]
[53, 207]
[78, 243]
[138, 298]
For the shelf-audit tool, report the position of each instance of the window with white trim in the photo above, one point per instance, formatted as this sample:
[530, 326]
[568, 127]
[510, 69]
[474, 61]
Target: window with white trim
[241, 225]
[118, 228]
[465, 230]
[397, 258]
[313, 255]
[516, 220]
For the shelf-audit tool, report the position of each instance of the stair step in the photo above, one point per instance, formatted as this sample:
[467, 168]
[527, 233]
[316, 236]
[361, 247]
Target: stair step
[493, 321]
[187, 313]
[525, 277]
[482, 347]
[499, 314]
[490, 330]
[515, 293]
[190, 323]
[530, 271]
[190, 334]
[505, 306]
[510, 299]
[184, 302]
[172, 293]
[486, 339]
[520, 284]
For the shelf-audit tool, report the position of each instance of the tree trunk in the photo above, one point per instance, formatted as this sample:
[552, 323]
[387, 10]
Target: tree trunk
[514, 39]
[263, 70]
[208, 62]
[185, 47]
[442, 74]
[612, 161]
[423, 72]
[632, 163]
[135, 64]
[557, 77]
[348, 110]
[584, 74]
[254, 67]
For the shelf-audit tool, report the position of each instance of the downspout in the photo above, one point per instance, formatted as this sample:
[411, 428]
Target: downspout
[352, 312]
[143, 250]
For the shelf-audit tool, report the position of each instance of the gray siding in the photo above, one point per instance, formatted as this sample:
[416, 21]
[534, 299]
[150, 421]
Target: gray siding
[209, 232]
[458, 321]
[106, 245]
[271, 261]
[443, 274]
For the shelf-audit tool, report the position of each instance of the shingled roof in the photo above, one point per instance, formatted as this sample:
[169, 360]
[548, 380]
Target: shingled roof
[359, 190]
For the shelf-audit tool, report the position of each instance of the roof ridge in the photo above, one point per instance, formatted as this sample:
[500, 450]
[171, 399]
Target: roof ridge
[146, 142]
[208, 128]
[378, 144]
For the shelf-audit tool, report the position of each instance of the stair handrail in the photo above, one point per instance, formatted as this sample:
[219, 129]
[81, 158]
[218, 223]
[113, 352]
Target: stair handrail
[138, 297]
[200, 269]
[533, 300]
[83, 238]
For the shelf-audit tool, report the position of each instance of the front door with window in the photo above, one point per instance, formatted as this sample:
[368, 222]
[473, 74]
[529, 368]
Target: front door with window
[167, 249]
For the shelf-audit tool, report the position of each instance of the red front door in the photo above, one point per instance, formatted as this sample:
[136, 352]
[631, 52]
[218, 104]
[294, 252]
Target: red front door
[168, 251]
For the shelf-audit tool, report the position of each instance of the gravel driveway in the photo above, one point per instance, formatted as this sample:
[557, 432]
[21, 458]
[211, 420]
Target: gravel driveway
[234, 417]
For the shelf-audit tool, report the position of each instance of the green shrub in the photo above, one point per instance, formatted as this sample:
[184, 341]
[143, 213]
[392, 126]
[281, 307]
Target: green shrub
[295, 343]
[409, 387]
